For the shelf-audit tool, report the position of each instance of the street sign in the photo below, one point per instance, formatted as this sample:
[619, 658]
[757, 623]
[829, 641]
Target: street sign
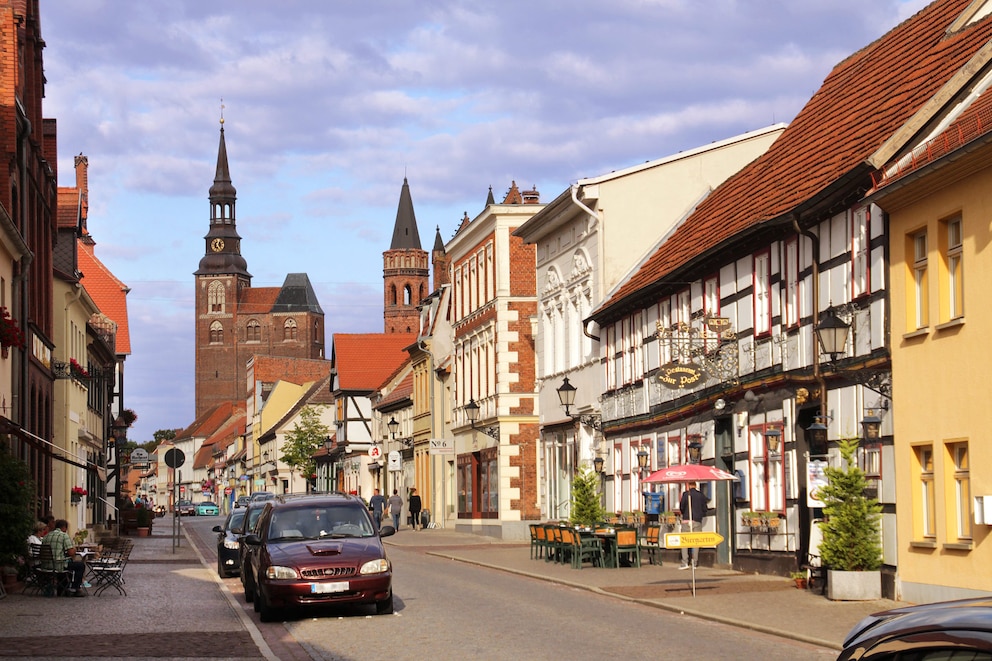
[681, 540]
[375, 451]
[395, 461]
[442, 446]
[139, 458]
[174, 458]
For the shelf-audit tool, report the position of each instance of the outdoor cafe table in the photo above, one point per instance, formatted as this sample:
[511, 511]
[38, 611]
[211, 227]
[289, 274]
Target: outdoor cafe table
[608, 538]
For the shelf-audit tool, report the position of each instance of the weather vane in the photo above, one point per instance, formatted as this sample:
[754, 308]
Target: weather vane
[221, 110]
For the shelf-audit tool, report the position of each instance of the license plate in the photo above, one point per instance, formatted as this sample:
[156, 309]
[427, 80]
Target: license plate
[325, 588]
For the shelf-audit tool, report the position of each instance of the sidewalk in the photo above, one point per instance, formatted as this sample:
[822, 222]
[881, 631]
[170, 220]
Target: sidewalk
[174, 607]
[770, 604]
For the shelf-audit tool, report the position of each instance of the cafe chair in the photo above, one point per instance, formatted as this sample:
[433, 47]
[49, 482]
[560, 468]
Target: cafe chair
[536, 543]
[588, 547]
[553, 534]
[651, 542]
[48, 581]
[108, 570]
[567, 540]
[626, 547]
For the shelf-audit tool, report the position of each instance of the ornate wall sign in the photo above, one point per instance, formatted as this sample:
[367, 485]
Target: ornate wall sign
[678, 377]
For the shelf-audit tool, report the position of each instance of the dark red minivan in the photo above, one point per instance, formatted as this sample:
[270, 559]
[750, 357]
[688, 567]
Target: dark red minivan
[316, 550]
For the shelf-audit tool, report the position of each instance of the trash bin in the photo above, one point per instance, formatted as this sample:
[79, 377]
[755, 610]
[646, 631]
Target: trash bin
[425, 518]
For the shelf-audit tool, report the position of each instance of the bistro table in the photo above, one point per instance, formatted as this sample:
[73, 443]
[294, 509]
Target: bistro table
[608, 538]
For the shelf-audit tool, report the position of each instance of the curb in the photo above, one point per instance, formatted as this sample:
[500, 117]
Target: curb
[647, 602]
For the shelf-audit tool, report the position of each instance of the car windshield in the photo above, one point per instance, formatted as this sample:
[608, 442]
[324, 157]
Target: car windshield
[207, 503]
[319, 523]
[234, 522]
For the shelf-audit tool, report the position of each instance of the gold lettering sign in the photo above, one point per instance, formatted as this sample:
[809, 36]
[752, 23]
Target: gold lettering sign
[679, 377]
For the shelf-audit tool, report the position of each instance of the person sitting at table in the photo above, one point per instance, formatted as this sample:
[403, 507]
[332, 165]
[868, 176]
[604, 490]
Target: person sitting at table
[37, 534]
[63, 557]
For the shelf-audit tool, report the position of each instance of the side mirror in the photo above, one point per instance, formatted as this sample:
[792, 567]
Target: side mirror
[252, 540]
[386, 531]
[218, 529]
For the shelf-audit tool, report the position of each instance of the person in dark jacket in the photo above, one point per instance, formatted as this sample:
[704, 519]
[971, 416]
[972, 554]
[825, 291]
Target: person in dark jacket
[692, 506]
[414, 505]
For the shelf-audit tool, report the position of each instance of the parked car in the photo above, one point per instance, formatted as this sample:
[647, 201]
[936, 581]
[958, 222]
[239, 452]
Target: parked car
[186, 508]
[317, 550]
[261, 495]
[252, 513]
[229, 544]
[941, 630]
[207, 508]
[242, 501]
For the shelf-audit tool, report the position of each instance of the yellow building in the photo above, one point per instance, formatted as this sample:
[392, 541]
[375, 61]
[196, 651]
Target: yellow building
[939, 202]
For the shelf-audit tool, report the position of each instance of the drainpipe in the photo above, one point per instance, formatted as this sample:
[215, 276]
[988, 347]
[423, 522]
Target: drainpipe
[19, 285]
[817, 372]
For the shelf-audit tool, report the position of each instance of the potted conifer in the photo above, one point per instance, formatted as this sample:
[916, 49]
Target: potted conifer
[587, 510]
[851, 548]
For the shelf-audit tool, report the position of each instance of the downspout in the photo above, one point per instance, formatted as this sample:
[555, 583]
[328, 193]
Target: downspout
[19, 286]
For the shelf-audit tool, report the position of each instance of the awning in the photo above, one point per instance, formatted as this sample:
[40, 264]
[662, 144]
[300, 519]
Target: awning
[49, 448]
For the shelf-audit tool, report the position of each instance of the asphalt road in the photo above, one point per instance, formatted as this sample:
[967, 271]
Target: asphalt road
[447, 609]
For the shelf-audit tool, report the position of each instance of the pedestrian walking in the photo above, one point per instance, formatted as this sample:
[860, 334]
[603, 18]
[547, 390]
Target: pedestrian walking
[415, 507]
[377, 504]
[395, 504]
[692, 506]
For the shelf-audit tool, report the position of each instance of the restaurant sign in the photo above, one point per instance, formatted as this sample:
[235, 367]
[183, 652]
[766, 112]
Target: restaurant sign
[679, 540]
[679, 376]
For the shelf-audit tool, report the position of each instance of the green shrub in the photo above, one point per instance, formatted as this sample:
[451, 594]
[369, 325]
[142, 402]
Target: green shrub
[852, 538]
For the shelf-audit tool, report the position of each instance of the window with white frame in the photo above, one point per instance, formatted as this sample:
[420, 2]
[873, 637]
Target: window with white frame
[611, 370]
[665, 319]
[711, 308]
[958, 454]
[918, 314]
[767, 480]
[860, 251]
[490, 274]
[790, 259]
[617, 357]
[955, 269]
[926, 512]
[547, 348]
[762, 293]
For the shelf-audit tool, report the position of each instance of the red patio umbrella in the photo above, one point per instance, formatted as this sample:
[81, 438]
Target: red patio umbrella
[689, 473]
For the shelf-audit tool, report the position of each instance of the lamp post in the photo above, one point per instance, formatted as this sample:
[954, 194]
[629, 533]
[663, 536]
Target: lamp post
[566, 395]
[871, 426]
[773, 441]
[395, 426]
[832, 332]
[472, 413]
[695, 451]
[817, 434]
[642, 461]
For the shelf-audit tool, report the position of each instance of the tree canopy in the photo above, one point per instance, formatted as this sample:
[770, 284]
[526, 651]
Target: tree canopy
[306, 437]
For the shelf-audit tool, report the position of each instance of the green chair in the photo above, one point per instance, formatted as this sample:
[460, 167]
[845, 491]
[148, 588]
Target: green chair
[652, 543]
[588, 547]
[553, 533]
[626, 547]
[567, 548]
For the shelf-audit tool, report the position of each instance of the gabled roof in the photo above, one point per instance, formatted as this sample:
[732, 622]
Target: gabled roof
[864, 101]
[400, 393]
[211, 420]
[109, 293]
[363, 361]
[225, 434]
[313, 396]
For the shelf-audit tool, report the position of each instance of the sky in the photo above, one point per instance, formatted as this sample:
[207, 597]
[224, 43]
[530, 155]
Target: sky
[328, 105]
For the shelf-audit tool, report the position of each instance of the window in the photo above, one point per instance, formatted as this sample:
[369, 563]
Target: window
[918, 308]
[767, 480]
[711, 308]
[762, 294]
[955, 275]
[289, 330]
[791, 268]
[926, 512]
[860, 251]
[216, 333]
[253, 331]
[961, 482]
[215, 297]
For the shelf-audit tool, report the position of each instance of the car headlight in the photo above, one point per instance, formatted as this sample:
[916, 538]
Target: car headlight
[275, 572]
[375, 567]
[231, 544]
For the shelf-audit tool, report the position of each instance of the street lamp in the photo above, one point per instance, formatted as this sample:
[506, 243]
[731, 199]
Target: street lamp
[871, 425]
[773, 440]
[566, 395]
[832, 332]
[695, 450]
[395, 426]
[817, 436]
[642, 460]
[597, 464]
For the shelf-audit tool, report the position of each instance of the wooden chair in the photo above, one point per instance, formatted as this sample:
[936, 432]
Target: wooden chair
[536, 540]
[553, 533]
[542, 541]
[626, 547]
[567, 540]
[49, 581]
[652, 543]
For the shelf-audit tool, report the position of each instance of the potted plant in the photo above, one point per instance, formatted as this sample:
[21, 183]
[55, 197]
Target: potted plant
[851, 548]
[76, 494]
[800, 578]
[11, 334]
[668, 518]
[144, 521]
[80, 537]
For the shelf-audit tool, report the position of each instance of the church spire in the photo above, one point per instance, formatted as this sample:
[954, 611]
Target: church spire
[405, 234]
[222, 250]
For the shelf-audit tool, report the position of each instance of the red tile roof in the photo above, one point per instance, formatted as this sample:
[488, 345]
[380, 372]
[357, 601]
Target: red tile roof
[865, 100]
[257, 300]
[208, 423]
[69, 210]
[270, 369]
[402, 391]
[109, 293]
[363, 361]
[225, 434]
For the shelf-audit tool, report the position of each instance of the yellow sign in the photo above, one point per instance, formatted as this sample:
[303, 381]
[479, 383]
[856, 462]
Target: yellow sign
[678, 540]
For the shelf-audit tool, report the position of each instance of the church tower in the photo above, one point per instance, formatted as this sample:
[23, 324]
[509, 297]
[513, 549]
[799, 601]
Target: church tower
[405, 270]
[223, 273]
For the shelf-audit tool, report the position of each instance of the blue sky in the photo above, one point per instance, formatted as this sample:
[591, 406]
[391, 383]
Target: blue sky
[328, 105]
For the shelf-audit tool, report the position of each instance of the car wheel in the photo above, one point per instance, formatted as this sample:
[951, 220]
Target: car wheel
[384, 607]
[220, 568]
[265, 612]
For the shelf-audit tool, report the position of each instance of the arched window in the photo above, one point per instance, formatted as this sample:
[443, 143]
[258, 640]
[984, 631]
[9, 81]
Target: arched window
[216, 333]
[215, 297]
[289, 330]
[407, 295]
[392, 294]
[254, 331]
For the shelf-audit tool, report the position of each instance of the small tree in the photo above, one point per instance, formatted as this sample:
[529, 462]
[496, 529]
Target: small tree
[304, 440]
[586, 507]
[16, 496]
[851, 531]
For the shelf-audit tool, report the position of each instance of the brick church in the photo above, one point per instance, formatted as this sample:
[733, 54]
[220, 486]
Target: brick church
[235, 321]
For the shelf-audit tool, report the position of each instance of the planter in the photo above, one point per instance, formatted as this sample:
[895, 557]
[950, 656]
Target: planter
[854, 585]
[800, 583]
[144, 532]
